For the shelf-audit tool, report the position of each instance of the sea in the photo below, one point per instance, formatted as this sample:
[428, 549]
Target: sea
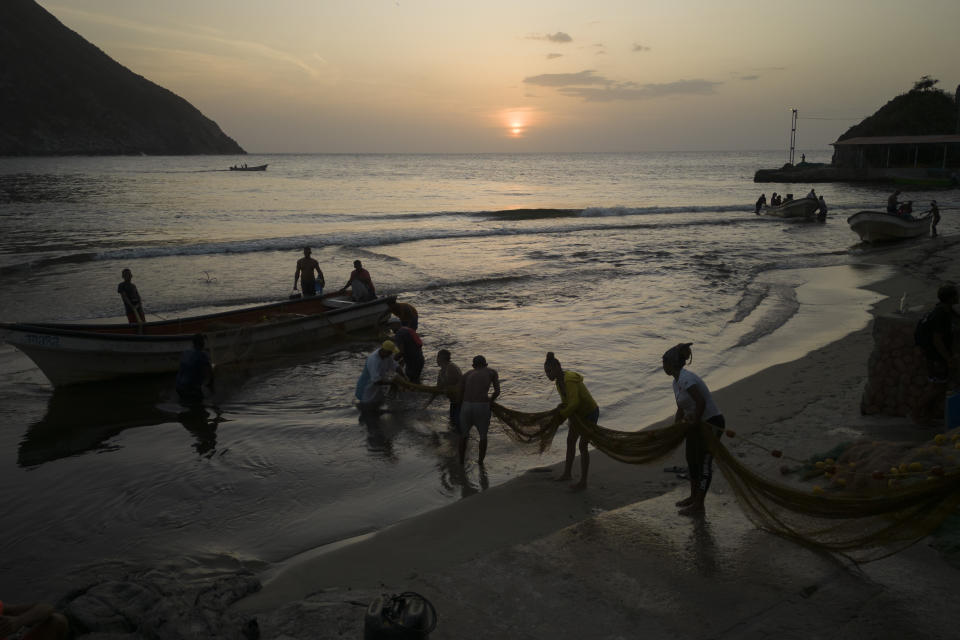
[605, 259]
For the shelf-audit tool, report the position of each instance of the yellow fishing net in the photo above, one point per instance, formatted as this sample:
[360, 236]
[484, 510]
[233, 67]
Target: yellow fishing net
[872, 515]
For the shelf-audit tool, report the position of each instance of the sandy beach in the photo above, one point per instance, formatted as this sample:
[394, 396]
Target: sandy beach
[530, 560]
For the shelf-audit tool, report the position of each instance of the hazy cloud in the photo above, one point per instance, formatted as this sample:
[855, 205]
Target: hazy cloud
[639, 47]
[553, 56]
[634, 91]
[559, 37]
[566, 79]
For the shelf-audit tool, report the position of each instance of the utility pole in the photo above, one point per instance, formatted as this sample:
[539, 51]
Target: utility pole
[793, 133]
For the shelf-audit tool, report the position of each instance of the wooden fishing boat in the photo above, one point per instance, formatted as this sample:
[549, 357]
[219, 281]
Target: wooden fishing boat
[880, 226]
[76, 353]
[259, 167]
[799, 208]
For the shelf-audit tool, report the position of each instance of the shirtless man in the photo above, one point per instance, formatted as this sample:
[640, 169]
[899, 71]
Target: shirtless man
[475, 407]
[304, 273]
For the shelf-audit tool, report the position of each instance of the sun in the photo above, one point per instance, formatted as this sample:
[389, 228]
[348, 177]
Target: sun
[516, 123]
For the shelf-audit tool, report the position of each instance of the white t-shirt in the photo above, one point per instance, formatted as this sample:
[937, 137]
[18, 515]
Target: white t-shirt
[377, 369]
[685, 401]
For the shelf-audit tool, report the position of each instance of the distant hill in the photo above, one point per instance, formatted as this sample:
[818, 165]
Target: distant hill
[915, 113]
[61, 95]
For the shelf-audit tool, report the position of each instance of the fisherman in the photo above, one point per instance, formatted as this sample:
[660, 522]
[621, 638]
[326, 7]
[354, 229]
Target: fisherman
[812, 194]
[304, 273]
[407, 314]
[475, 410]
[411, 352]
[821, 209]
[694, 405]
[378, 370]
[935, 337]
[892, 204]
[132, 304]
[935, 212]
[195, 369]
[761, 202]
[576, 404]
[360, 285]
[448, 379]
[774, 200]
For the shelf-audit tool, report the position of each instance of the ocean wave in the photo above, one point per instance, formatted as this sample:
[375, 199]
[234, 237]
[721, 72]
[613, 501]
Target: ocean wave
[355, 240]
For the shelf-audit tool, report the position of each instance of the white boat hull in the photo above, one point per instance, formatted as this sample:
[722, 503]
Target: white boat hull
[800, 208]
[878, 226]
[69, 357]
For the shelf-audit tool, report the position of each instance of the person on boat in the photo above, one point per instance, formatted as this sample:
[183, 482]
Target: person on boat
[475, 409]
[360, 284]
[195, 370]
[906, 209]
[576, 404]
[935, 212]
[40, 619]
[448, 379]
[304, 274]
[411, 352]
[378, 370]
[694, 405]
[789, 197]
[821, 209]
[812, 194]
[775, 199]
[761, 202]
[407, 313]
[936, 340]
[892, 204]
[132, 304]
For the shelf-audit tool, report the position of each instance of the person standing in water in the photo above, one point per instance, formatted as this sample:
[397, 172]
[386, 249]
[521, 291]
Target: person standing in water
[935, 212]
[575, 403]
[304, 273]
[694, 405]
[448, 379]
[195, 370]
[132, 305]
[761, 203]
[475, 404]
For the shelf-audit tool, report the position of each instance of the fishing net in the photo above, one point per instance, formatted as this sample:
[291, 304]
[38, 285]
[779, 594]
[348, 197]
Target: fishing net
[860, 512]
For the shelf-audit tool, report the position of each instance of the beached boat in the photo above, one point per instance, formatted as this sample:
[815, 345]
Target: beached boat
[799, 208]
[259, 167]
[76, 353]
[879, 226]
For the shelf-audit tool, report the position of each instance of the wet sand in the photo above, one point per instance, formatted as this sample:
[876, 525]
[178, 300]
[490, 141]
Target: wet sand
[528, 559]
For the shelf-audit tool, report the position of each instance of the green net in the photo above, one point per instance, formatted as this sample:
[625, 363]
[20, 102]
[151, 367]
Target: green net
[880, 514]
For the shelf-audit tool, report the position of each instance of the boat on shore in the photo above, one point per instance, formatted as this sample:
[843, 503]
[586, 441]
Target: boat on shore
[259, 167]
[880, 226]
[71, 354]
[799, 208]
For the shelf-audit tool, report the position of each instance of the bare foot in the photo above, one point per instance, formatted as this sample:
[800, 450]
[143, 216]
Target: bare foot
[580, 486]
[694, 511]
[686, 502]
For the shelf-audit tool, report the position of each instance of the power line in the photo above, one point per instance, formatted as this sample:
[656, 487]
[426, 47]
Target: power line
[816, 118]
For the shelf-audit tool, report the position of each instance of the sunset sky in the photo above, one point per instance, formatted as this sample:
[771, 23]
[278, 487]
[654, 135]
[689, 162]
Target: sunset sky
[553, 75]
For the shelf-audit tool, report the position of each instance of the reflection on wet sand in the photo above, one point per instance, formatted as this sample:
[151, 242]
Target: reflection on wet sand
[85, 418]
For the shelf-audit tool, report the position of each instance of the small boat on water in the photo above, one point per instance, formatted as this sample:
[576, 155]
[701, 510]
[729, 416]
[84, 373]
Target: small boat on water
[76, 353]
[238, 167]
[799, 208]
[880, 226]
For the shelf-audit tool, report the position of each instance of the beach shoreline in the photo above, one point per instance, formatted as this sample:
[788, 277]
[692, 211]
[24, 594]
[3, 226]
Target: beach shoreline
[789, 406]
[528, 559]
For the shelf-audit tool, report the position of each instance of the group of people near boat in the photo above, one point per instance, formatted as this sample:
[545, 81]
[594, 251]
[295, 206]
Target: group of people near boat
[310, 277]
[777, 200]
[905, 209]
[472, 394]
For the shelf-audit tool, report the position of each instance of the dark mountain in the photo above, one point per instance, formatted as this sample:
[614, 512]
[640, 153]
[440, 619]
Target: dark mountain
[60, 95]
[915, 113]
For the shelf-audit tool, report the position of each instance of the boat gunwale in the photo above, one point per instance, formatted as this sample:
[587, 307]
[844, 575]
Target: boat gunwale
[97, 331]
